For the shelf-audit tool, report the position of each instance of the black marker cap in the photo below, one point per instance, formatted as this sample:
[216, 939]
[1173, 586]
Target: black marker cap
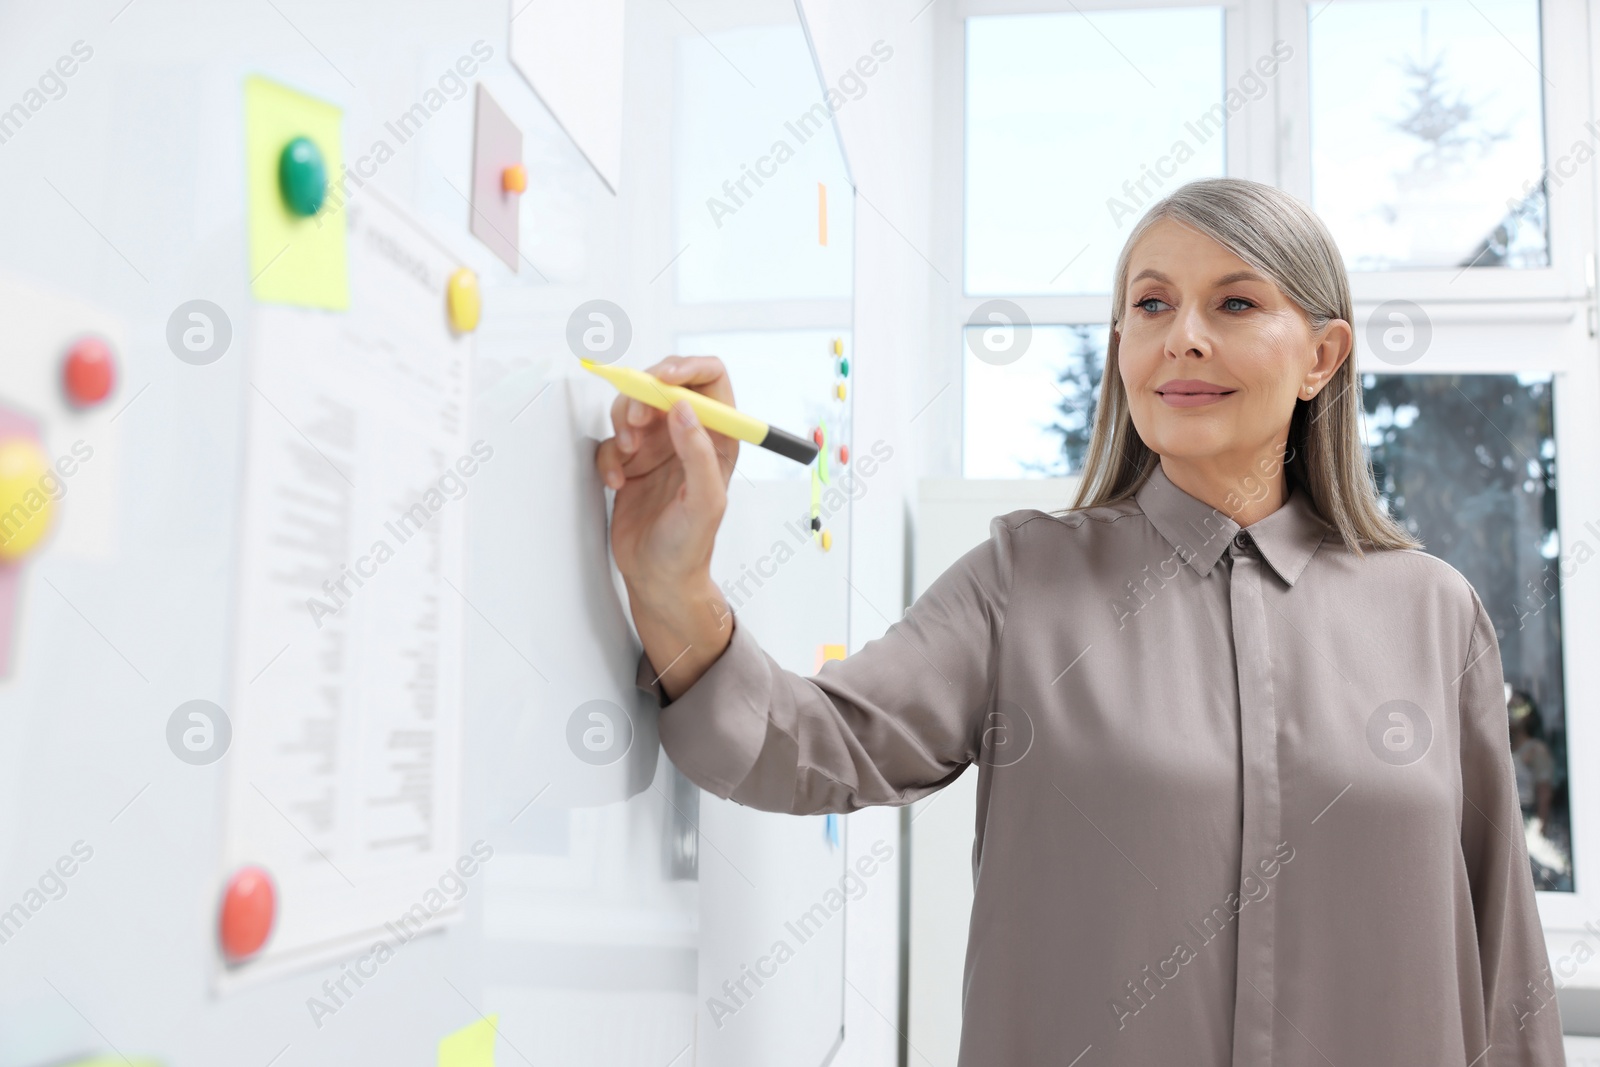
[787, 444]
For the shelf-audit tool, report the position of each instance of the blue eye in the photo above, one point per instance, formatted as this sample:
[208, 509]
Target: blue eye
[1154, 304]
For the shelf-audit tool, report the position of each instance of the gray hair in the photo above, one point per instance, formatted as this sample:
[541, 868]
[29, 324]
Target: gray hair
[1284, 240]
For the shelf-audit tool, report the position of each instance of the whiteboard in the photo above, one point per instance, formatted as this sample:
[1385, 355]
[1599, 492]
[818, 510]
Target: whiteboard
[616, 897]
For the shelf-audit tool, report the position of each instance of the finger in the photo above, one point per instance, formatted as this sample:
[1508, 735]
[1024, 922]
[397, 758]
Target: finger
[619, 413]
[703, 374]
[702, 472]
[608, 463]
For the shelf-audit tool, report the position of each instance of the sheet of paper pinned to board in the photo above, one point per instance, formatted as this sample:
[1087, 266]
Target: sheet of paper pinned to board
[496, 145]
[294, 259]
[346, 696]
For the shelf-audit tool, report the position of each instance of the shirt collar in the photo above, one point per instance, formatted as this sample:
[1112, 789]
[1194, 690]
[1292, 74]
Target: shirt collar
[1200, 533]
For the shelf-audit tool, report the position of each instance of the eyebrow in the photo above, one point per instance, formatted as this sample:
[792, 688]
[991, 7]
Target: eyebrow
[1226, 279]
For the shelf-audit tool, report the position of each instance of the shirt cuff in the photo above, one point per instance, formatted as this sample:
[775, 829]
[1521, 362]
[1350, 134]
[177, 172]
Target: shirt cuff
[713, 732]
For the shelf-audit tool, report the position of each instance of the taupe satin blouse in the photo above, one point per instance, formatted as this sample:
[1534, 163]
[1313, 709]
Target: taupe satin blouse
[1243, 798]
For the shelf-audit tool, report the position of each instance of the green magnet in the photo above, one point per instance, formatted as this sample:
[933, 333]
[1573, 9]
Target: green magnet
[844, 367]
[302, 176]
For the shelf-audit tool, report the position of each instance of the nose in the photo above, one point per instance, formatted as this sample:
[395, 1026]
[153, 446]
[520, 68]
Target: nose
[1188, 333]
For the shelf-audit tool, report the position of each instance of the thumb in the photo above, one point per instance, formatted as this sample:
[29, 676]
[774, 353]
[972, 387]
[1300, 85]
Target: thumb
[702, 472]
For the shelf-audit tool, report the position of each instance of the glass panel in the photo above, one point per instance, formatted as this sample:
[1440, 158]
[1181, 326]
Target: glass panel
[1468, 463]
[788, 379]
[1031, 417]
[1427, 133]
[763, 206]
[1055, 176]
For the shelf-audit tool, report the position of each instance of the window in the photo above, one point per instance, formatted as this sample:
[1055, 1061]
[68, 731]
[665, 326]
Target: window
[1468, 463]
[1073, 122]
[1030, 416]
[1433, 155]
[762, 202]
[1447, 147]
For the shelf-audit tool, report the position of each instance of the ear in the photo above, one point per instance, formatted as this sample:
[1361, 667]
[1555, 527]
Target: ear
[1331, 348]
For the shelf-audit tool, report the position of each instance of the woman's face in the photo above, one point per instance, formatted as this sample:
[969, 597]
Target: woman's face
[1212, 354]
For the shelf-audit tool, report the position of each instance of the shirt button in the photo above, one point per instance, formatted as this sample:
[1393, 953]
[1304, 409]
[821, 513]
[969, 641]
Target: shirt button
[1241, 541]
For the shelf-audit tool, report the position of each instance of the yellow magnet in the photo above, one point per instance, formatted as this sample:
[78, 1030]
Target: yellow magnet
[26, 507]
[827, 540]
[839, 390]
[838, 346]
[464, 300]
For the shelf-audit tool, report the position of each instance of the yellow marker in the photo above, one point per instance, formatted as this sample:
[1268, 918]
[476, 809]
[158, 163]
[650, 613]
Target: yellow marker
[464, 300]
[26, 508]
[713, 414]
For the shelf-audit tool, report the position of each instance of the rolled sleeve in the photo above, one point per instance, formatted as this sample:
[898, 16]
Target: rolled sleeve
[891, 723]
[1521, 1015]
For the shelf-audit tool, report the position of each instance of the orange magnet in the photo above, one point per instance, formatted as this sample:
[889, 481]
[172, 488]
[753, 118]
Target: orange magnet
[88, 372]
[514, 179]
[249, 905]
[844, 453]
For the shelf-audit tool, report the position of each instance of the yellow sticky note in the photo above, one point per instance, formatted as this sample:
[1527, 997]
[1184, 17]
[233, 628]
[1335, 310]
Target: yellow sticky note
[470, 1046]
[825, 653]
[293, 259]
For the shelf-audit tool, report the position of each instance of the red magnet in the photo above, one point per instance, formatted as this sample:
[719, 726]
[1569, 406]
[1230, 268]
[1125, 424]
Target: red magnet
[88, 372]
[249, 905]
[844, 453]
[816, 435]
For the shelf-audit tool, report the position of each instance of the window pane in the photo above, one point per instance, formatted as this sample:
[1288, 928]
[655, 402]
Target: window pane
[1468, 463]
[1031, 417]
[787, 379]
[1427, 130]
[763, 206]
[1076, 123]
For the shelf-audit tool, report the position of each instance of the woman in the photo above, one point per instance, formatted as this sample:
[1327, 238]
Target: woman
[1244, 791]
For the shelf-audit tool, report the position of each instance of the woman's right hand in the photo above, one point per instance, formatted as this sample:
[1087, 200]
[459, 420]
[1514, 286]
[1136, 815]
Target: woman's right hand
[671, 480]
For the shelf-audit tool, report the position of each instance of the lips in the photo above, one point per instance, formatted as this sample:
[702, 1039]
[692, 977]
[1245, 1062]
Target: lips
[1193, 387]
